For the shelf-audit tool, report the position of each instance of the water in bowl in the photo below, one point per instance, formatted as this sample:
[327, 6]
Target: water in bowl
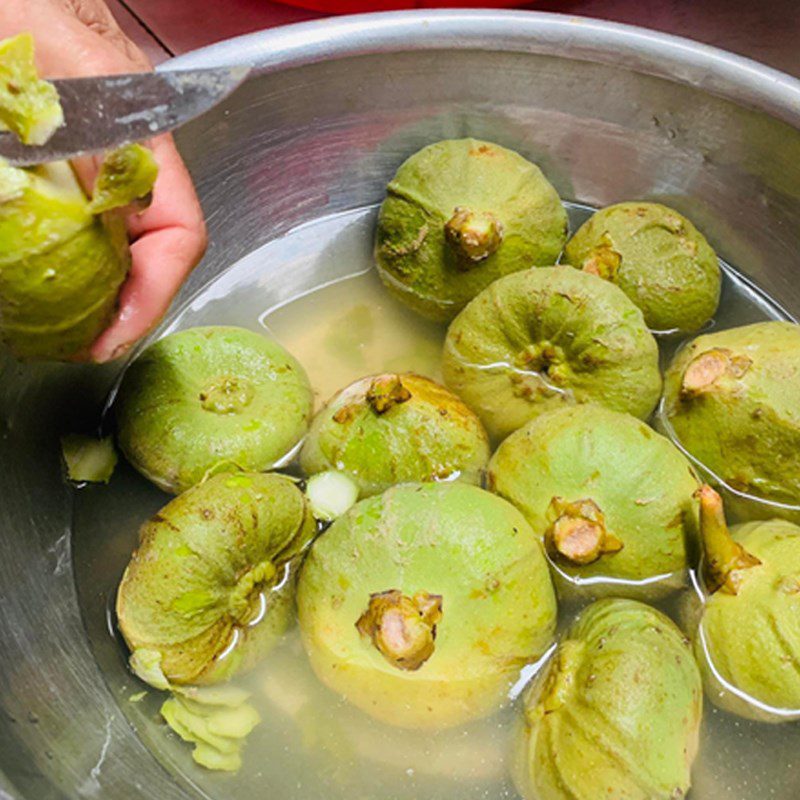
[315, 290]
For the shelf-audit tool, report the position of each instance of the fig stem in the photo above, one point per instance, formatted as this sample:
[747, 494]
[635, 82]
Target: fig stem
[385, 392]
[724, 558]
[227, 395]
[578, 532]
[474, 235]
[706, 369]
[402, 628]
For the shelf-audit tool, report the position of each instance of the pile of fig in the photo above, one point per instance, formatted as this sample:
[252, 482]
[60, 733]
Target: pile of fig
[430, 539]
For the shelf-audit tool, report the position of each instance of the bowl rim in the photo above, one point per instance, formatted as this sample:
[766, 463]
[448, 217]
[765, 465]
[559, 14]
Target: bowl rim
[733, 77]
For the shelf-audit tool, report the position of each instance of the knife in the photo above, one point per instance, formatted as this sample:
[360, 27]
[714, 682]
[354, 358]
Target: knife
[106, 112]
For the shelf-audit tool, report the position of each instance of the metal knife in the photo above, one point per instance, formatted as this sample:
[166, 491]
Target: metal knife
[105, 112]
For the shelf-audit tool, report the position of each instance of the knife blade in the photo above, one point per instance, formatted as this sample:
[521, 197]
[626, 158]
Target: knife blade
[105, 112]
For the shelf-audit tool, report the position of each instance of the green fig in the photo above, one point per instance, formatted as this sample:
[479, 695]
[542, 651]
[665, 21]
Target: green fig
[730, 399]
[62, 261]
[421, 605]
[748, 638]
[208, 591]
[541, 338]
[29, 106]
[459, 214]
[61, 265]
[657, 257]
[612, 499]
[616, 713]
[211, 399]
[390, 429]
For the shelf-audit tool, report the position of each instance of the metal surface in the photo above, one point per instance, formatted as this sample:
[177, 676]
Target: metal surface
[767, 31]
[332, 108]
[105, 112]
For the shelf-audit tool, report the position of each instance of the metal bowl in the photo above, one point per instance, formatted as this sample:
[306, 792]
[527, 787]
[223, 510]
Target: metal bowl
[609, 112]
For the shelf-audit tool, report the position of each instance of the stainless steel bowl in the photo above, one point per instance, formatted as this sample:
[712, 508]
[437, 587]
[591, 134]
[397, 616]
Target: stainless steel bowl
[610, 112]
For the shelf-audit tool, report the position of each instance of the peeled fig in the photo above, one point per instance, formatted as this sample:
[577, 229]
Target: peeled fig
[748, 638]
[208, 400]
[730, 399]
[459, 214]
[421, 605]
[217, 730]
[208, 592]
[126, 177]
[616, 713]
[657, 257]
[62, 264]
[612, 499]
[390, 429]
[29, 106]
[542, 338]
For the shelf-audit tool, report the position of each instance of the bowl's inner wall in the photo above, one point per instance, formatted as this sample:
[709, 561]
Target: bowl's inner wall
[290, 146]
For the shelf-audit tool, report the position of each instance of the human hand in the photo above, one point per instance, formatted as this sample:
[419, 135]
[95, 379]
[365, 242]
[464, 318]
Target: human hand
[76, 38]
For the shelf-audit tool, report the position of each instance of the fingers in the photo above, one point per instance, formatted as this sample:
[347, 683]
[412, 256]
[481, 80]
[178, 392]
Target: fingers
[169, 240]
[96, 16]
[73, 38]
[76, 38]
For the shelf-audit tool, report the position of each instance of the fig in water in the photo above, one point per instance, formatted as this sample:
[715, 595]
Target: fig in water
[458, 215]
[208, 591]
[541, 338]
[616, 713]
[748, 638]
[392, 429]
[29, 106]
[731, 400]
[611, 497]
[421, 605]
[657, 257]
[211, 399]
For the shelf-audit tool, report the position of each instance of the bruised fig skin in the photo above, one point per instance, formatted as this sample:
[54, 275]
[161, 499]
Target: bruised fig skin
[657, 257]
[546, 337]
[731, 401]
[198, 591]
[611, 497]
[459, 214]
[420, 605]
[210, 399]
[615, 714]
[395, 428]
[748, 638]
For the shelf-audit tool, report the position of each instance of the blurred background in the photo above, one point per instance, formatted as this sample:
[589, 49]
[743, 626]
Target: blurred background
[766, 30]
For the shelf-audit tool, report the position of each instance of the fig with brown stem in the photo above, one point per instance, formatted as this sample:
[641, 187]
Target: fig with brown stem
[395, 428]
[458, 215]
[730, 399]
[748, 637]
[612, 499]
[421, 605]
